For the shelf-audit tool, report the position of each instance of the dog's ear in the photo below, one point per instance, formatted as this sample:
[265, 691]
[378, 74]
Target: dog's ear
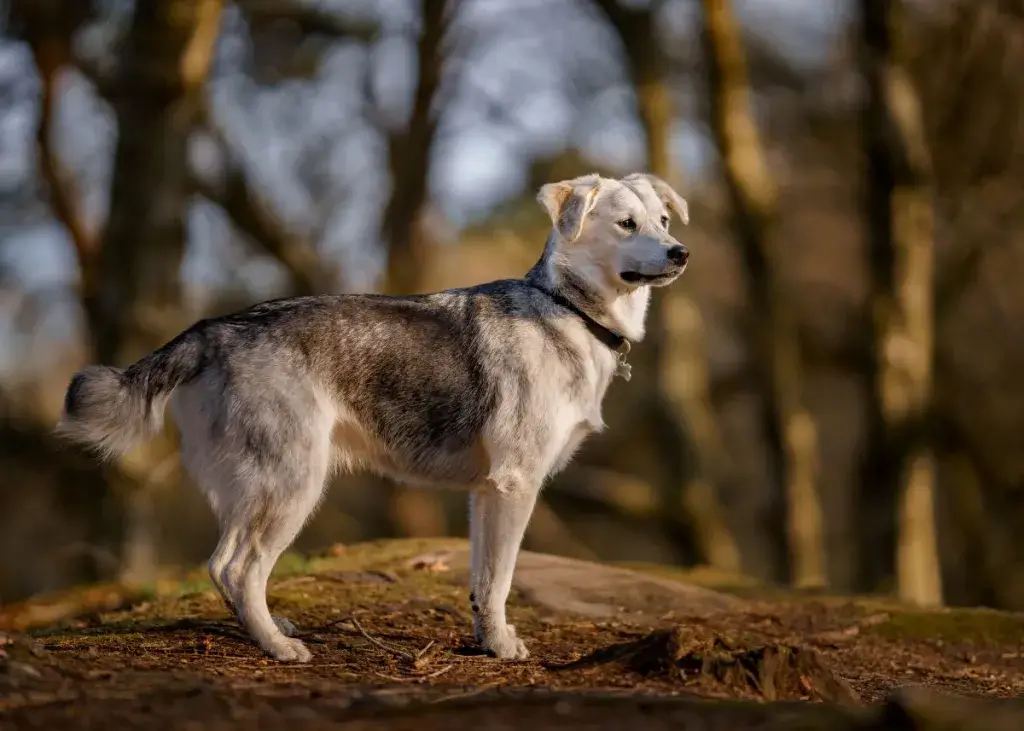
[568, 202]
[672, 200]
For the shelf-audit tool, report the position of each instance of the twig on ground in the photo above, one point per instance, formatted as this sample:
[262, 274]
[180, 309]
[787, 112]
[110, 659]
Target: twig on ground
[322, 627]
[421, 657]
[387, 648]
[436, 673]
[424, 650]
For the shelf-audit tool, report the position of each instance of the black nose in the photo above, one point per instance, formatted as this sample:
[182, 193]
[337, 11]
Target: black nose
[678, 254]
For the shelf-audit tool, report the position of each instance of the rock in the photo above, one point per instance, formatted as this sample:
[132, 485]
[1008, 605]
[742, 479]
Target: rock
[593, 590]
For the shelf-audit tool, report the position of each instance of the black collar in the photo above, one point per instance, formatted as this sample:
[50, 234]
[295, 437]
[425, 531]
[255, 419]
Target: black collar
[613, 340]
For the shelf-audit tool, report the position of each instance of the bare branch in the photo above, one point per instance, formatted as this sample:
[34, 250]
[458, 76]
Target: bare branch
[254, 217]
[409, 156]
[103, 80]
[308, 17]
[51, 50]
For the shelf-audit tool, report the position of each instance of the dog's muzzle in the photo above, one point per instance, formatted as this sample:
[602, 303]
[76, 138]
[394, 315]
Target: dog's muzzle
[677, 256]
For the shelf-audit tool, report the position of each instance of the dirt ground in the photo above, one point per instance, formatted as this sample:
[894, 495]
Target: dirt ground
[612, 648]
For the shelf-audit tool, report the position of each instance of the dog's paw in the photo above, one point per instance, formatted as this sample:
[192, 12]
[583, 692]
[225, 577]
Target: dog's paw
[287, 627]
[506, 646]
[289, 650]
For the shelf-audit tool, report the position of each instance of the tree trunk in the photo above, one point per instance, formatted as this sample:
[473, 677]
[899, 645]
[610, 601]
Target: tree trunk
[675, 327]
[409, 160]
[414, 512]
[899, 473]
[686, 385]
[129, 273]
[788, 423]
[137, 303]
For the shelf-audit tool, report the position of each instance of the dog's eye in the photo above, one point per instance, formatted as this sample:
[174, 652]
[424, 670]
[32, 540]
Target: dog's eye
[664, 222]
[628, 224]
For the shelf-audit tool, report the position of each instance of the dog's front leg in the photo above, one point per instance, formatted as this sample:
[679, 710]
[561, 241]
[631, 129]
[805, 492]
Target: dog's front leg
[498, 520]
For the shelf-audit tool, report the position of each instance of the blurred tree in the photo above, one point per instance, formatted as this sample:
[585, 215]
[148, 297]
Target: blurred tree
[898, 484]
[788, 424]
[403, 227]
[409, 153]
[254, 216]
[48, 28]
[129, 271]
[964, 57]
[675, 325]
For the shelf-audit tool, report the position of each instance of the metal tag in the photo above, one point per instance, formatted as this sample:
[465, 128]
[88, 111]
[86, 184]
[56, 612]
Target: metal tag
[624, 370]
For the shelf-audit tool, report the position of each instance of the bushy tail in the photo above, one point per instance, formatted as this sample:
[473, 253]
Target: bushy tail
[114, 410]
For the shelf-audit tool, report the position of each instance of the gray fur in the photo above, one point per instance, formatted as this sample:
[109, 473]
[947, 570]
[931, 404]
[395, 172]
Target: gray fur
[114, 410]
[488, 388]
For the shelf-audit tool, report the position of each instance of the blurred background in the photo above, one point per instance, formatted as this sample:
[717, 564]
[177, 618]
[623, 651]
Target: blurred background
[831, 398]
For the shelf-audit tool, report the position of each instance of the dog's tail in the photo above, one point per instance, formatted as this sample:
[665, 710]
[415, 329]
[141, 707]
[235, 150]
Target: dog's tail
[114, 410]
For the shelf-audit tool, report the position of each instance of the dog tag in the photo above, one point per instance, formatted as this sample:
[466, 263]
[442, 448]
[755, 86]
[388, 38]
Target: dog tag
[624, 371]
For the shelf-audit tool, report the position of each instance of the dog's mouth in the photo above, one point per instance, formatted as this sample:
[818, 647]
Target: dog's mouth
[652, 279]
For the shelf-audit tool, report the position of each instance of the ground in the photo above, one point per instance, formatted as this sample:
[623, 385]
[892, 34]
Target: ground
[612, 648]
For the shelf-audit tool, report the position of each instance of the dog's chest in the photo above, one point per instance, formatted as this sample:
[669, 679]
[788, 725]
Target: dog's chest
[580, 414]
[577, 433]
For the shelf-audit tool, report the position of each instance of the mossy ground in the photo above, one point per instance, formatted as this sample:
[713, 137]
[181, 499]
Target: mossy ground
[167, 655]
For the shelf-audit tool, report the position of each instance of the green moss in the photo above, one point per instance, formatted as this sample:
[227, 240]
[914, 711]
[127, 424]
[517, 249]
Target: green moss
[970, 626]
[342, 581]
[291, 563]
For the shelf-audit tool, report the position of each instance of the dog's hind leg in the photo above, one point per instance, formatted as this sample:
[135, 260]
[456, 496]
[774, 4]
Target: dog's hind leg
[263, 470]
[498, 522]
[271, 530]
[218, 565]
[218, 562]
[216, 479]
[269, 521]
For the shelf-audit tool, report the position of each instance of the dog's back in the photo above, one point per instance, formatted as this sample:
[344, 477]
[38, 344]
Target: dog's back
[414, 379]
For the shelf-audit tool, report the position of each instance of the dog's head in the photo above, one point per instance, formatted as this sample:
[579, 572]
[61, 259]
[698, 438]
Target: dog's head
[614, 234]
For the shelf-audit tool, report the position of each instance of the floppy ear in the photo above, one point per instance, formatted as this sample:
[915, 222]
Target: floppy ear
[568, 202]
[672, 200]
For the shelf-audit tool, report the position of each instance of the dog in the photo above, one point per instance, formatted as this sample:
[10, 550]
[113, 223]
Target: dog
[489, 388]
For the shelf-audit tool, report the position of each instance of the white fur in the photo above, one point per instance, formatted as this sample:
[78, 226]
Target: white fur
[541, 416]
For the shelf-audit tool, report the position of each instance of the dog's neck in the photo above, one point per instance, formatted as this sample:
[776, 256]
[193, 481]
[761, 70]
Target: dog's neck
[623, 312]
